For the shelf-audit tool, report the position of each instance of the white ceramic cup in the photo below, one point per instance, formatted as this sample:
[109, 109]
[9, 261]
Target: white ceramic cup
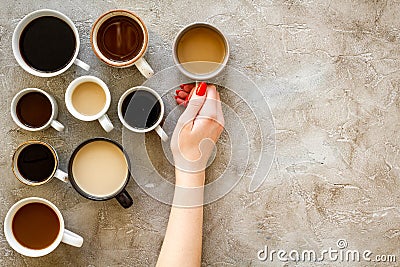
[64, 235]
[138, 60]
[101, 116]
[52, 121]
[156, 126]
[21, 26]
[181, 66]
[57, 173]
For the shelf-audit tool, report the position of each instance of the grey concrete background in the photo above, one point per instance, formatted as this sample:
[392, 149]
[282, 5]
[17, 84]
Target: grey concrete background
[331, 73]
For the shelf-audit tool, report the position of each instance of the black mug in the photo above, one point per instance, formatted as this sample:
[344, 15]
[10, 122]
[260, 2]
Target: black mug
[99, 170]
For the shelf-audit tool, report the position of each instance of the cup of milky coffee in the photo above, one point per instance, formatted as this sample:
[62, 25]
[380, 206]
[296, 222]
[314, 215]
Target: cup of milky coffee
[120, 39]
[200, 51]
[33, 109]
[34, 227]
[99, 170]
[88, 98]
[46, 42]
[36, 163]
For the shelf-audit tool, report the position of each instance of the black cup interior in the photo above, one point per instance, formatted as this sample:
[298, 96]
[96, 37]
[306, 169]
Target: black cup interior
[47, 44]
[120, 195]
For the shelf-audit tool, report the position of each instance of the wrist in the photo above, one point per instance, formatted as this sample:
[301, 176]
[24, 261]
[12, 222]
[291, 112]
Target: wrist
[189, 179]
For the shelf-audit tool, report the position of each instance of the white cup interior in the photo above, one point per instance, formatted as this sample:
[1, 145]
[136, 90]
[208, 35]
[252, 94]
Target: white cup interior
[16, 171]
[121, 116]
[21, 26]
[11, 238]
[17, 97]
[101, 20]
[70, 90]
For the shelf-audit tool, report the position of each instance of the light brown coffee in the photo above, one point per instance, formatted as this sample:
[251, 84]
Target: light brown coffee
[100, 168]
[201, 50]
[88, 98]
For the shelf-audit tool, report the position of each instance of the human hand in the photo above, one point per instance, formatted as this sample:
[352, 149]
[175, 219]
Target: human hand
[198, 129]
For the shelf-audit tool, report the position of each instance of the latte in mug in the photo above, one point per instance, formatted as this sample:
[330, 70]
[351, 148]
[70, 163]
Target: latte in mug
[100, 171]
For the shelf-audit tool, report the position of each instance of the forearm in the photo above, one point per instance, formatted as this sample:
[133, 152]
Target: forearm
[183, 238]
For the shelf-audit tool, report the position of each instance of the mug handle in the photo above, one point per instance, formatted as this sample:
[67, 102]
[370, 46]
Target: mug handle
[144, 67]
[106, 123]
[72, 239]
[161, 133]
[124, 199]
[61, 175]
[81, 64]
[57, 125]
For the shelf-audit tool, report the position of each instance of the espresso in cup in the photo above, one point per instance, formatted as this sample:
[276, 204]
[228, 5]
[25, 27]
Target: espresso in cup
[45, 43]
[33, 109]
[201, 51]
[99, 170]
[141, 110]
[34, 227]
[120, 39]
[35, 163]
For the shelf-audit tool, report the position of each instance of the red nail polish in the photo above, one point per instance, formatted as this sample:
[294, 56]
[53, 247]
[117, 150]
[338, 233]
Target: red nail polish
[176, 97]
[182, 85]
[201, 89]
[177, 91]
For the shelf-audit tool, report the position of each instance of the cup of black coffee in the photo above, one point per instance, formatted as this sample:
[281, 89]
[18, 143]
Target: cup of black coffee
[141, 110]
[33, 109]
[99, 170]
[34, 227]
[120, 39]
[36, 163]
[46, 42]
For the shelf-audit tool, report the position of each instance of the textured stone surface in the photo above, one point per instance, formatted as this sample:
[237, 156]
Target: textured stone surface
[331, 73]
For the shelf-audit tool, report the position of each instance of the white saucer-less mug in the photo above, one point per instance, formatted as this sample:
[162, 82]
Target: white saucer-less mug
[52, 122]
[156, 126]
[101, 116]
[64, 235]
[17, 35]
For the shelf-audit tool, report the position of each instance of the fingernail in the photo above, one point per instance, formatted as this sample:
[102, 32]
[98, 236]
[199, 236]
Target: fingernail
[176, 97]
[177, 91]
[201, 89]
[182, 85]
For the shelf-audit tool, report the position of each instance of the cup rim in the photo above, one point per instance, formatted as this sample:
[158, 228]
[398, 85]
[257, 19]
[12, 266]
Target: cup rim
[18, 150]
[71, 88]
[96, 25]
[11, 238]
[15, 101]
[21, 26]
[71, 174]
[140, 88]
[193, 76]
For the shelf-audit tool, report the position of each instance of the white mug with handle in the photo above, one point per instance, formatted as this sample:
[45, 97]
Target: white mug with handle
[63, 235]
[101, 116]
[17, 48]
[156, 125]
[52, 122]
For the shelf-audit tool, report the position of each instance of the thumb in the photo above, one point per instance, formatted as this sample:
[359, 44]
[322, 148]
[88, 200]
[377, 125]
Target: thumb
[195, 104]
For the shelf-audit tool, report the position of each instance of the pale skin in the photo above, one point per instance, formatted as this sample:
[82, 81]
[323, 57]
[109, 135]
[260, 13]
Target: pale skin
[202, 120]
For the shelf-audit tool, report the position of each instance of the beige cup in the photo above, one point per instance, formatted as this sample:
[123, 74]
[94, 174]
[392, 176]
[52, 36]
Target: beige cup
[138, 60]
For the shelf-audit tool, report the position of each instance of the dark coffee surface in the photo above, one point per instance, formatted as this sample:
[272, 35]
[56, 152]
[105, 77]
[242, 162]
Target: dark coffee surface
[120, 38]
[141, 109]
[34, 109]
[35, 226]
[47, 44]
[36, 162]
